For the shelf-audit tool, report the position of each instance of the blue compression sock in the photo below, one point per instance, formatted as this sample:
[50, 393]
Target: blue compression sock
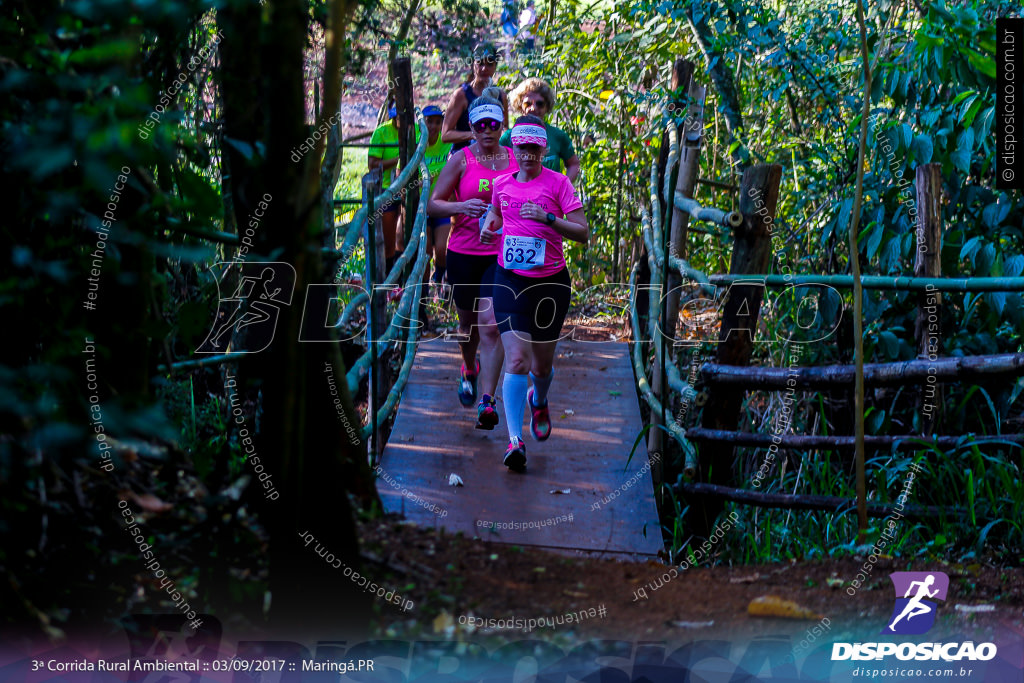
[540, 388]
[514, 389]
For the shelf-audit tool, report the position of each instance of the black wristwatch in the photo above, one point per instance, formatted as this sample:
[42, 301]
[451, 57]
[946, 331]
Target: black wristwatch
[550, 218]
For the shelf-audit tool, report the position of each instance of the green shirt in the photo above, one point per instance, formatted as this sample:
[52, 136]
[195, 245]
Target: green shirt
[436, 158]
[386, 135]
[559, 147]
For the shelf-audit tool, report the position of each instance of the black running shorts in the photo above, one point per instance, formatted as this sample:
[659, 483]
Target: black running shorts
[471, 276]
[536, 305]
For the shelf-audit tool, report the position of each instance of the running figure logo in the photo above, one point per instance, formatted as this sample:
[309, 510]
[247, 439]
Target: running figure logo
[249, 315]
[914, 612]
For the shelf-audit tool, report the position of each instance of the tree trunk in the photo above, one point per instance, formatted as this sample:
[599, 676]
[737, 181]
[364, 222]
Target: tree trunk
[303, 440]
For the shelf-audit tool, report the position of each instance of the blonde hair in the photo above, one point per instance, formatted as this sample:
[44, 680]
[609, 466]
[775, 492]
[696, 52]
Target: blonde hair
[530, 85]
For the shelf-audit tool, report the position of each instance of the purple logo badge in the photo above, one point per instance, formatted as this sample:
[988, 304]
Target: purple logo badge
[916, 596]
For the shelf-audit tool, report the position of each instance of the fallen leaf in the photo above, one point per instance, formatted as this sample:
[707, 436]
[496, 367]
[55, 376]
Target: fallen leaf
[150, 503]
[454, 480]
[774, 606]
[559, 491]
[971, 609]
[575, 594]
[614, 393]
[745, 579]
[834, 583]
[692, 624]
[443, 622]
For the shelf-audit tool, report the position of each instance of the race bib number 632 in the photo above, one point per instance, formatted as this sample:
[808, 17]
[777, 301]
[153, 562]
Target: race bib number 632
[522, 253]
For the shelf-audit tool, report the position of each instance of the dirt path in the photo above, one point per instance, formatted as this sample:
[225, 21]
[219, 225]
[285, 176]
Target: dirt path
[488, 580]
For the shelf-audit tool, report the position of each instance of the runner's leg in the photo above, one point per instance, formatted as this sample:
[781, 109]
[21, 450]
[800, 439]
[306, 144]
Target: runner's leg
[492, 354]
[518, 358]
[389, 223]
[542, 373]
[469, 336]
[441, 250]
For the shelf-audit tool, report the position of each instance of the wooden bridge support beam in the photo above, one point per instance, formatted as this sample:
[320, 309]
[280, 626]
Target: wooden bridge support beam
[686, 174]
[402, 73]
[376, 308]
[752, 253]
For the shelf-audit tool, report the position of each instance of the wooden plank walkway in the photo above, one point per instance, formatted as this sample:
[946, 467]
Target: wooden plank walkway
[434, 436]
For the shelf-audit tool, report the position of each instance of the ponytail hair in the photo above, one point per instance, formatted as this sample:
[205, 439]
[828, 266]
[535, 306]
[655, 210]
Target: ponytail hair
[485, 98]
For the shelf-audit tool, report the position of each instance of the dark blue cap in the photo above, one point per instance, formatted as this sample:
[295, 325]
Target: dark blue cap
[393, 112]
[432, 110]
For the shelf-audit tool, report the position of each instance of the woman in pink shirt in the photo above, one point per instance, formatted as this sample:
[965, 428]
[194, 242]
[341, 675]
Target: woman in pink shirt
[470, 175]
[533, 210]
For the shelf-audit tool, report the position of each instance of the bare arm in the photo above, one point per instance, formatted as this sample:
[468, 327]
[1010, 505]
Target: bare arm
[376, 162]
[492, 225]
[456, 105]
[439, 205]
[573, 226]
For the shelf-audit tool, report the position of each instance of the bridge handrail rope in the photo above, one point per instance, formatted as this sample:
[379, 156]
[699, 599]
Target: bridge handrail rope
[652, 235]
[419, 228]
[391, 279]
[677, 432]
[885, 282]
[353, 227]
[410, 296]
[352, 237]
[724, 219]
[674, 377]
[680, 265]
[653, 238]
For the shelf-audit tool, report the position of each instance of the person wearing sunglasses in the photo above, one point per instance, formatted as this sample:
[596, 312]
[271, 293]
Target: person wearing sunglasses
[535, 97]
[463, 191]
[456, 126]
[533, 211]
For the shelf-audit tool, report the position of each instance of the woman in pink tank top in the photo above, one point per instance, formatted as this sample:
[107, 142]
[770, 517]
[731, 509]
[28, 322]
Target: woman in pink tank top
[463, 191]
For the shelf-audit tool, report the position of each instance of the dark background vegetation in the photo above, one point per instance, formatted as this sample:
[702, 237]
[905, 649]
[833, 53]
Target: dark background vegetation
[78, 78]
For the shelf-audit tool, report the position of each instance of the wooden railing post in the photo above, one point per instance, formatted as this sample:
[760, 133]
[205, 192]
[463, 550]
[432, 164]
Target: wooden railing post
[682, 73]
[927, 328]
[402, 73]
[376, 309]
[752, 253]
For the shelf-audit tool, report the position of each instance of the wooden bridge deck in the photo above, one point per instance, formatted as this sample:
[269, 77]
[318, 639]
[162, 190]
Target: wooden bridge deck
[434, 436]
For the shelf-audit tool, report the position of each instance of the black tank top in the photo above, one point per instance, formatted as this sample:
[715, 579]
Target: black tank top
[463, 123]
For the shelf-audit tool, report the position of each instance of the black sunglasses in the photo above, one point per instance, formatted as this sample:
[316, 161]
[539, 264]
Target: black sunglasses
[486, 124]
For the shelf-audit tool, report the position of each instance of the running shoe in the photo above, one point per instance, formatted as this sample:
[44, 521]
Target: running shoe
[540, 420]
[467, 385]
[486, 413]
[515, 456]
